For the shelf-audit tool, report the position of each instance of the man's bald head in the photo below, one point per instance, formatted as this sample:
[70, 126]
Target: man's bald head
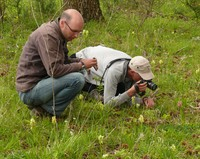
[73, 16]
[71, 24]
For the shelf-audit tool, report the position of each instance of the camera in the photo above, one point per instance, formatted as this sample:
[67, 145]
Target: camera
[150, 84]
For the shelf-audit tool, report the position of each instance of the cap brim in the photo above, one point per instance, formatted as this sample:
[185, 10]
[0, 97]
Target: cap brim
[147, 76]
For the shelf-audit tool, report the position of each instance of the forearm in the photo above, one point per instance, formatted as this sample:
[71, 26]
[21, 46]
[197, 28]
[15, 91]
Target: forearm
[131, 91]
[117, 100]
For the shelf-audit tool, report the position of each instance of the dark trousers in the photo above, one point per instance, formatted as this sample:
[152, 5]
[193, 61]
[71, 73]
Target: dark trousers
[88, 87]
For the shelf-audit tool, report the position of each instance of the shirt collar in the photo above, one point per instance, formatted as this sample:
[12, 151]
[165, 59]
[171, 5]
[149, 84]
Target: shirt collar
[58, 28]
[125, 70]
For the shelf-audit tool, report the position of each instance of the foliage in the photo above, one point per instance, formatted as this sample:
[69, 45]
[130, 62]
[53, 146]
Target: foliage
[36, 10]
[195, 6]
[168, 36]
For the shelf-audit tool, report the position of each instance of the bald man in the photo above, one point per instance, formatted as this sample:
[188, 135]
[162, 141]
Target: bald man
[47, 79]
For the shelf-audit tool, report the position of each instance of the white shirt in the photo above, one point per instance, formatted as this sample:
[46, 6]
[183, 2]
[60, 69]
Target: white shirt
[115, 74]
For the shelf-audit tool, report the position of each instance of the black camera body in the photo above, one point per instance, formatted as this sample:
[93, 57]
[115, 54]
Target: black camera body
[150, 84]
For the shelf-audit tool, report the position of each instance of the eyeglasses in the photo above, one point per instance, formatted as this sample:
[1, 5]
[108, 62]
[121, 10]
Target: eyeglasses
[75, 31]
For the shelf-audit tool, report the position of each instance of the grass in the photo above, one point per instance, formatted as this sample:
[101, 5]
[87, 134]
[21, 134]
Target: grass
[89, 130]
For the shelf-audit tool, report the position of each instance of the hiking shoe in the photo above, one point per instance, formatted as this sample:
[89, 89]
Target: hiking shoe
[30, 107]
[38, 112]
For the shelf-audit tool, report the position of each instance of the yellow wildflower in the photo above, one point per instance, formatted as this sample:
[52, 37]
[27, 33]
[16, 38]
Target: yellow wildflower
[32, 123]
[85, 33]
[197, 71]
[153, 62]
[80, 97]
[160, 61]
[53, 119]
[100, 138]
[141, 119]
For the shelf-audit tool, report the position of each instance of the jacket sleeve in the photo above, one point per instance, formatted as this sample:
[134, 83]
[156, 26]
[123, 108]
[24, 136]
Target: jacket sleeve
[74, 59]
[111, 80]
[52, 55]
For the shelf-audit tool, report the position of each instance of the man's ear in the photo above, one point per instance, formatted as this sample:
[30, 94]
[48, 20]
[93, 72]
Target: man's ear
[132, 72]
[62, 23]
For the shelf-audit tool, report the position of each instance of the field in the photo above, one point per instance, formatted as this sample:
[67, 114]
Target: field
[168, 34]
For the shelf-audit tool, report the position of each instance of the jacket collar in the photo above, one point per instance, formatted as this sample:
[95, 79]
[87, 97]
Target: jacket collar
[58, 30]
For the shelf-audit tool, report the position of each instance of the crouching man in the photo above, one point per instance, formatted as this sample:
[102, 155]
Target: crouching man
[47, 79]
[122, 77]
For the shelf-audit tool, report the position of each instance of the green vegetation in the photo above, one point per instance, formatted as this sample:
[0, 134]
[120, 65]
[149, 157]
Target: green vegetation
[166, 32]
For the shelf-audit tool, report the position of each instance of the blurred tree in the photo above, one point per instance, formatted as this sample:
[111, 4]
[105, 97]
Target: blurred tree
[90, 9]
[18, 7]
[195, 6]
[46, 6]
[2, 10]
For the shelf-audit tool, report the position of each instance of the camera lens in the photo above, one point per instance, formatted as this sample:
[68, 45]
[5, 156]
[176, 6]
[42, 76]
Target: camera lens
[151, 85]
[154, 87]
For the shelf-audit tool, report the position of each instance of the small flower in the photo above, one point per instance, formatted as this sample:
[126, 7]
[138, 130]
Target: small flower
[160, 61]
[53, 119]
[153, 62]
[160, 140]
[85, 33]
[179, 104]
[173, 147]
[121, 152]
[196, 38]
[141, 136]
[71, 133]
[137, 105]
[100, 138]
[133, 33]
[141, 119]
[197, 71]
[80, 97]
[105, 155]
[66, 121]
[32, 123]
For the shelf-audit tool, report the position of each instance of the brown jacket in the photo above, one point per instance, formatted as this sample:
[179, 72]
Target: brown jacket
[44, 54]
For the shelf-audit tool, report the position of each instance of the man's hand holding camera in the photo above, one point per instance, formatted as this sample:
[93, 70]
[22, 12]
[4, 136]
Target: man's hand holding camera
[140, 88]
[137, 88]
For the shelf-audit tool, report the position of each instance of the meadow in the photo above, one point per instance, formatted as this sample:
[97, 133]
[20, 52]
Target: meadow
[168, 34]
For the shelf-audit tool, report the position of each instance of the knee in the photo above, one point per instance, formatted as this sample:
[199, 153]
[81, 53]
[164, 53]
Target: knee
[80, 80]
